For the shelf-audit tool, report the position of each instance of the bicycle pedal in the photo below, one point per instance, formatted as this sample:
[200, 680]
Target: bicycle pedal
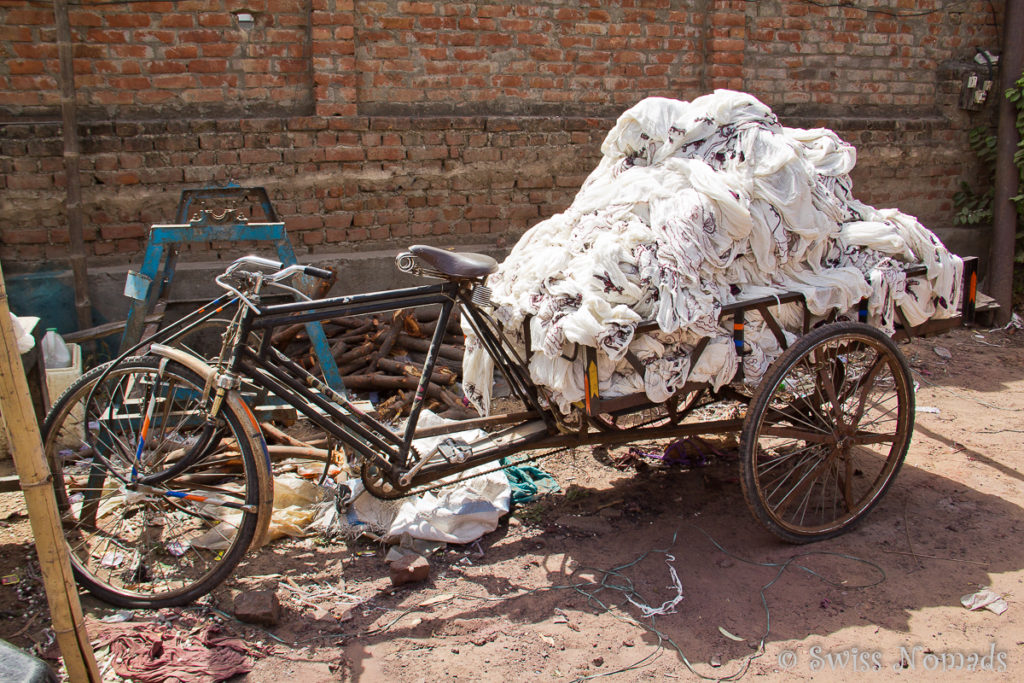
[455, 451]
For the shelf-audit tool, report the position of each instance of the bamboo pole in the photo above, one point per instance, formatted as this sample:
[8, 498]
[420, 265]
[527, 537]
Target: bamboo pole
[30, 461]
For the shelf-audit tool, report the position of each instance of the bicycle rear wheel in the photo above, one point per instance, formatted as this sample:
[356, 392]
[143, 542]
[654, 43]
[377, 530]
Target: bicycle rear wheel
[169, 542]
[827, 432]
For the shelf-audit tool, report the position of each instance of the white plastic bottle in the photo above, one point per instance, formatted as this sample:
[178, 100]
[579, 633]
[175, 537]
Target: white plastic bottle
[56, 353]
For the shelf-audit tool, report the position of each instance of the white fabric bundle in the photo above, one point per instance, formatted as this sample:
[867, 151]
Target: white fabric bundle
[695, 205]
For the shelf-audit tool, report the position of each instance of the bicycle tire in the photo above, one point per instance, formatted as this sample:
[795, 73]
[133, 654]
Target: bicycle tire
[826, 432]
[169, 544]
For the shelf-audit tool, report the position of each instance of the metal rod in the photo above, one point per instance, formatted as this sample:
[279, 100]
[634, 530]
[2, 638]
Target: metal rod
[316, 310]
[1004, 211]
[72, 152]
[540, 441]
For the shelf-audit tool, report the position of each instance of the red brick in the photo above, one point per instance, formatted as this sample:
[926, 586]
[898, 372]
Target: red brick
[127, 20]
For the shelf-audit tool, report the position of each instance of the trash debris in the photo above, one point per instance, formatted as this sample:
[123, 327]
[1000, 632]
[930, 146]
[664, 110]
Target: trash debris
[987, 599]
[634, 457]
[10, 579]
[942, 352]
[112, 559]
[667, 607]
[928, 409]
[177, 548]
[407, 545]
[296, 504]
[691, 451]
[118, 617]
[437, 599]
[23, 326]
[730, 636]
[1015, 323]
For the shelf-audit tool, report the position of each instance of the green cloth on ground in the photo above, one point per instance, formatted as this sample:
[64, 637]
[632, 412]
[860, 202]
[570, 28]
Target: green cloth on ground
[528, 482]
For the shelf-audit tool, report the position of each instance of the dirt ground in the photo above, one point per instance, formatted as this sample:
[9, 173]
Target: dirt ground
[547, 595]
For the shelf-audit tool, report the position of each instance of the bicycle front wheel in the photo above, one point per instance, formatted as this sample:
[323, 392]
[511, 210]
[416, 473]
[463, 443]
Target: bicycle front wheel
[169, 541]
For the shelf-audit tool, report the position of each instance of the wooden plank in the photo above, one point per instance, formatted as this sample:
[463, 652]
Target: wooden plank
[100, 331]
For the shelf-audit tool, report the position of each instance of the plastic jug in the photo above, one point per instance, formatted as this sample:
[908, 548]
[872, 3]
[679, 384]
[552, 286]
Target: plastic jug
[56, 353]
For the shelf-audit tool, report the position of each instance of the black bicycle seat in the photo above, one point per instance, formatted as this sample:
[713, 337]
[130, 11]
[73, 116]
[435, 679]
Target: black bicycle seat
[453, 263]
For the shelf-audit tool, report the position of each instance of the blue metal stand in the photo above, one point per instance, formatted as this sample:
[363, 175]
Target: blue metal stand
[208, 225]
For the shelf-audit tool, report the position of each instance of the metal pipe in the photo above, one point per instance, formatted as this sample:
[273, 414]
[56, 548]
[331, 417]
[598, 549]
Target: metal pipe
[72, 152]
[1004, 211]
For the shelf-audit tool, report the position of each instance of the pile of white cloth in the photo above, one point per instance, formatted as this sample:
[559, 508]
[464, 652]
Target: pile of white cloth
[695, 205]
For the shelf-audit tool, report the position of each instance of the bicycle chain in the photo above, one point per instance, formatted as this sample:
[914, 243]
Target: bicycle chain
[498, 468]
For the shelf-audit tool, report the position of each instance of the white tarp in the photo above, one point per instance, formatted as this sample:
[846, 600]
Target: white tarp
[460, 512]
[695, 205]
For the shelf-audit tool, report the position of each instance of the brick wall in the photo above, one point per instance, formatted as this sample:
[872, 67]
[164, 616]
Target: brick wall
[156, 58]
[335, 180]
[538, 58]
[377, 121]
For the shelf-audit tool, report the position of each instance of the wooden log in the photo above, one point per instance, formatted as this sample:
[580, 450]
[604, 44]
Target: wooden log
[412, 326]
[286, 334]
[379, 381]
[425, 314]
[280, 452]
[442, 376]
[352, 322]
[454, 325]
[450, 399]
[320, 290]
[281, 437]
[423, 345]
[457, 413]
[388, 338]
[356, 334]
[361, 351]
[353, 368]
[394, 406]
[453, 365]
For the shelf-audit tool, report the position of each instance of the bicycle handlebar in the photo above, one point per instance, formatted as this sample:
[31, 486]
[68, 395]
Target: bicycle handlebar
[321, 273]
[282, 271]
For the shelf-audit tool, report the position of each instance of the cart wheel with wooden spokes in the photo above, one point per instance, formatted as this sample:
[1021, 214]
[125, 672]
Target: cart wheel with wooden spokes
[826, 432]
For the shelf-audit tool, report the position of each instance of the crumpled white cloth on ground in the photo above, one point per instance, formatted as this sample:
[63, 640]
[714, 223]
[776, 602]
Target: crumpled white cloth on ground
[695, 205]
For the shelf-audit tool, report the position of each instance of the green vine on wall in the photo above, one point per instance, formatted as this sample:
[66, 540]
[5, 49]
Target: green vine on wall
[975, 208]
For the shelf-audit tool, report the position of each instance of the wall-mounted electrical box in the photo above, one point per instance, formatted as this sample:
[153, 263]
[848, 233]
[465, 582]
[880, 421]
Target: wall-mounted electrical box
[977, 83]
[974, 90]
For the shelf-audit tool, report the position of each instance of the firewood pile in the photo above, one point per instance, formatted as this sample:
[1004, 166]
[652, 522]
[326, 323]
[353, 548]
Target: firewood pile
[385, 354]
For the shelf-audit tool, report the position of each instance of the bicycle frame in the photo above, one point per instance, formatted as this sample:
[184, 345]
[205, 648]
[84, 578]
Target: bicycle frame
[393, 452]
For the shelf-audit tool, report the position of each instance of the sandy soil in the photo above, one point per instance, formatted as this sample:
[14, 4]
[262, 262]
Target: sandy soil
[545, 596]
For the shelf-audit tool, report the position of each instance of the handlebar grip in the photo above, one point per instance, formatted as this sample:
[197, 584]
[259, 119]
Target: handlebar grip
[318, 272]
